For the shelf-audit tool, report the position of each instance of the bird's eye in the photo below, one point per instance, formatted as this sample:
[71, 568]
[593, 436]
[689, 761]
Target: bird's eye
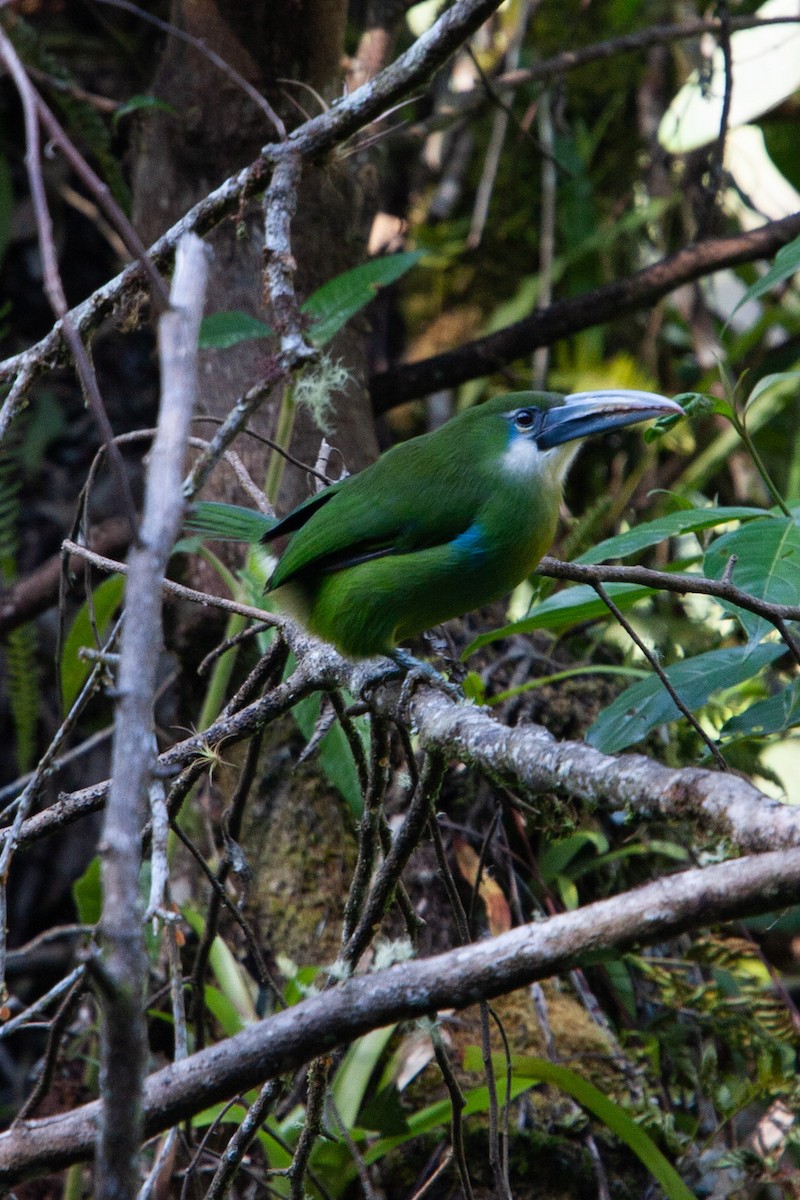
[525, 419]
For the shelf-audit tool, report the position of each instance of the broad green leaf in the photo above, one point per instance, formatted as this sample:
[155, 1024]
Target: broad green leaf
[567, 608]
[478, 1100]
[645, 705]
[786, 264]
[106, 598]
[773, 715]
[221, 330]
[787, 381]
[223, 1010]
[650, 533]
[230, 974]
[357, 1068]
[87, 892]
[332, 305]
[768, 567]
[613, 1116]
[227, 522]
[557, 856]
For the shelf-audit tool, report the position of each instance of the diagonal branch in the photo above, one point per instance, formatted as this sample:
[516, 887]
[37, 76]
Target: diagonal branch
[455, 979]
[406, 381]
[315, 138]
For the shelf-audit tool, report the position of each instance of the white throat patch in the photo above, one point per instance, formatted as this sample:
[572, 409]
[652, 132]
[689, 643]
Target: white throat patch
[522, 457]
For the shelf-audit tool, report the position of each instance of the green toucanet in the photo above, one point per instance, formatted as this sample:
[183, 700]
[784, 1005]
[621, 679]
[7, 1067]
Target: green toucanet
[440, 524]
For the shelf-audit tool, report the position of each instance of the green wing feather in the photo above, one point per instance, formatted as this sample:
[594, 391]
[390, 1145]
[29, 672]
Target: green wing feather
[227, 522]
[394, 506]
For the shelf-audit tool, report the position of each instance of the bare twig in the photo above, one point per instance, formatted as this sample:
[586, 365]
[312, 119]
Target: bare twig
[699, 585]
[403, 845]
[25, 800]
[123, 1035]
[280, 202]
[242, 1139]
[58, 1027]
[716, 154]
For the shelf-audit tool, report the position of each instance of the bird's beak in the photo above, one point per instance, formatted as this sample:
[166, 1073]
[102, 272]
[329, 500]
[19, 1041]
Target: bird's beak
[585, 413]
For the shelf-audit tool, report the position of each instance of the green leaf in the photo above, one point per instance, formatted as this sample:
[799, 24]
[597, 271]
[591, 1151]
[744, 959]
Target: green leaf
[140, 102]
[773, 715]
[787, 262]
[357, 1068]
[650, 533]
[87, 893]
[106, 598]
[227, 522]
[332, 305]
[557, 856]
[221, 330]
[787, 381]
[645, 705]
[613, 1116]
[567, 608]
[768, 567]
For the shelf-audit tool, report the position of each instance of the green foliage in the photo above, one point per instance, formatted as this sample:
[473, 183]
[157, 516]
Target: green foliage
[674, 524]
[226, 522]
[613, 1116]
[88, 629]
[87, 893]
[645, 705]
[328, 309]
[767, 567]
[786, 264]
[139, 104]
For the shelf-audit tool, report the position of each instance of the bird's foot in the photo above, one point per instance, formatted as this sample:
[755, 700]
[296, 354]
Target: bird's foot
[412, 671]
[418, 671]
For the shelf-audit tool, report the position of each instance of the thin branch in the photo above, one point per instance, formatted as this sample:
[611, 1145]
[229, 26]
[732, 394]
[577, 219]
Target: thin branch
[655, 35]
[280, 202]
[242, 1140]
[698, 585]
[527, 757]
[219, 62]
[671, 691]
[403, 845]
[52, 278]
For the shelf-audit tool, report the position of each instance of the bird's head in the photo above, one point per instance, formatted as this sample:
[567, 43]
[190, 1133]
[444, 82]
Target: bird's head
[545, 431]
